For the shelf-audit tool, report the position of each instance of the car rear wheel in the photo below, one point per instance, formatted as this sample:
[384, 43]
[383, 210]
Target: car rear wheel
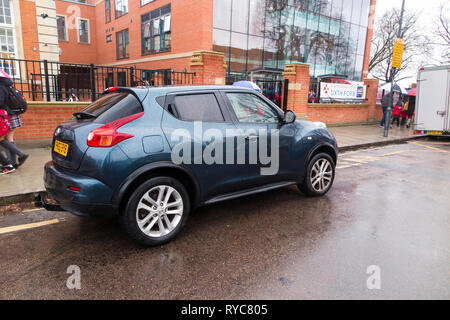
[156, 211]
[319, 176]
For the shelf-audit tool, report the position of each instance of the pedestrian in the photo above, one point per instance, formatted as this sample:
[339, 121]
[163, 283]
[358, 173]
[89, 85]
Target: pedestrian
[404, 114]
[4, 129]
[13, 103]
[411, 110]
[384, 105]
[311, 97]
[396, 113]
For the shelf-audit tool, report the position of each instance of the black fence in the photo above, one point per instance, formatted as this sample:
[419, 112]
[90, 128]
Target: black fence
[56, 81]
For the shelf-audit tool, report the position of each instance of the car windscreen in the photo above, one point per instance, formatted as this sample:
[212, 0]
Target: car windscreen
[111, 107]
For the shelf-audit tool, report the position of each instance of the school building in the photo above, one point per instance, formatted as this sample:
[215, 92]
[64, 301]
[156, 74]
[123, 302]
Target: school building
[257, 37]
[93, 44]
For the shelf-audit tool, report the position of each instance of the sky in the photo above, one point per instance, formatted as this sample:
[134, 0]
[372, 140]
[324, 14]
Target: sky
[429, 10]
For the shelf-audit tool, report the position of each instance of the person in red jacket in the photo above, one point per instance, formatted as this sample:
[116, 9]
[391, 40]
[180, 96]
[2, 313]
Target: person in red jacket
[397, 112]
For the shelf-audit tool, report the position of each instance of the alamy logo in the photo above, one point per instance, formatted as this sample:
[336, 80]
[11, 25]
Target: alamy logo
[374, 280]
[74, 280]
[230, 149]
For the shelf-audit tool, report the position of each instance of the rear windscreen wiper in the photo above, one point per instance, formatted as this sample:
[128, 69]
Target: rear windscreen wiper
[84, 115]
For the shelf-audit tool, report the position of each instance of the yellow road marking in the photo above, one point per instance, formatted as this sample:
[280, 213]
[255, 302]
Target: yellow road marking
[437, 142]
[27, 226]
[31, 210]
[431, 148]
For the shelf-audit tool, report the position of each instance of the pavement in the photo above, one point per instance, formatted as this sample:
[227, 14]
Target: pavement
[20, 186]
[382, 232]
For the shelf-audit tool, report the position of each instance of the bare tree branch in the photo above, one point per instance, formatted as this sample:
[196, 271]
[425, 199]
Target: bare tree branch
[417, 44]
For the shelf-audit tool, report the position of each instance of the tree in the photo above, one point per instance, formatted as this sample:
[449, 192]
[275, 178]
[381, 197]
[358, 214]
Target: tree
[417, 44]
[442, 29]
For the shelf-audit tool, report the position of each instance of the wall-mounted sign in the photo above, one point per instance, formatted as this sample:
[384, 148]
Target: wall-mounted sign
[339, 91]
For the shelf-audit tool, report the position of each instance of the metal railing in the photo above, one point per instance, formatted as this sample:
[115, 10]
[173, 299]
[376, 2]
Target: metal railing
[42, 80]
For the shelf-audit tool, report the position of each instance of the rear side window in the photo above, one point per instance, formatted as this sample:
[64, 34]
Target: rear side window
[198, 107]
[114, 106]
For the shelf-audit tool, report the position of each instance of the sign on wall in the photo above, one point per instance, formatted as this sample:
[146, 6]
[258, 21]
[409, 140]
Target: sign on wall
[340, 91]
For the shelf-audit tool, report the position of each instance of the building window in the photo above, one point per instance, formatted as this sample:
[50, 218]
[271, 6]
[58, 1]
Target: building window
[156, 31]
[7, 38]
[144, 2]
[107, 11]
[123, 44]
[109, 38]
[61, 25]
[121, 7]
[83, 31]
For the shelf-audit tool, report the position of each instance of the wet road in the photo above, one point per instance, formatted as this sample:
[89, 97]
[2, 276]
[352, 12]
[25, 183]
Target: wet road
[389, 207]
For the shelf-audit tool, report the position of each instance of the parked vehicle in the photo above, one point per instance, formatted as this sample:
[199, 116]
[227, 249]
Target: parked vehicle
[116, 157]
[433, 101]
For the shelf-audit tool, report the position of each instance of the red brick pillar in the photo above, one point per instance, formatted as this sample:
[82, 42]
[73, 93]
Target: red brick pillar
[371, 96]
[369, 35]
[209, 67]
[298, 76]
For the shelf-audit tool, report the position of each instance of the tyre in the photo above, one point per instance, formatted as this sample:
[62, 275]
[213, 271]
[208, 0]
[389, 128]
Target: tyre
[156, 211]
[319, 176]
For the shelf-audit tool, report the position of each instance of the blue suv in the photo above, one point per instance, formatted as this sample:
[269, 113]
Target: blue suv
[151, 155]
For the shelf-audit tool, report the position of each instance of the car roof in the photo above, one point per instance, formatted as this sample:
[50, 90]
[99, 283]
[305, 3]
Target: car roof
[170, 89]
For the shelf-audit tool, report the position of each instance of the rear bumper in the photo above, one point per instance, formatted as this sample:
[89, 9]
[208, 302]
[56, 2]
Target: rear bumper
[92, 199]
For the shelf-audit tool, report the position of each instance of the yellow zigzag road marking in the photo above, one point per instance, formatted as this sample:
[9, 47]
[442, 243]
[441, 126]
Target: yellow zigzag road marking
[27, 226]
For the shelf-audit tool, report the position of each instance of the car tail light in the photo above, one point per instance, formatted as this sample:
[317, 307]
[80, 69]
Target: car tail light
[76, 189]
[107, 135]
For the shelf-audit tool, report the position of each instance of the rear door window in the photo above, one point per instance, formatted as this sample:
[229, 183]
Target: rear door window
[114, 106]
[198, 107]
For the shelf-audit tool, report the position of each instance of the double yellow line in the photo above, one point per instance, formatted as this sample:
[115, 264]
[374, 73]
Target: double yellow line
[27, 226]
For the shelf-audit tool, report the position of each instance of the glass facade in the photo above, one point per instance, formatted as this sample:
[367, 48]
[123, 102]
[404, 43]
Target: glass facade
[330, 35]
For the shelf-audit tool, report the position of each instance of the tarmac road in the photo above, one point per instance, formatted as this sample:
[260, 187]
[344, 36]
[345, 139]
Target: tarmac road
[389, 208]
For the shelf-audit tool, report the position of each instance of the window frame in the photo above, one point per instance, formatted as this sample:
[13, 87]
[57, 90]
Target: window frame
[116, 11]
[117, 44]
[273, 106]
[108, 12]
[170, 100]
[79, 19]
[162, 35]
[66, 29]
[149, 1]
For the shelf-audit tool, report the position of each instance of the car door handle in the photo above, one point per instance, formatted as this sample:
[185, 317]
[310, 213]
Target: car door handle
[252, 137]
[441, 113]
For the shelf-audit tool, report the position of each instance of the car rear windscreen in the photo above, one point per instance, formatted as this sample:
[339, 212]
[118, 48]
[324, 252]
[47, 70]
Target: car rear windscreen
[114, 106]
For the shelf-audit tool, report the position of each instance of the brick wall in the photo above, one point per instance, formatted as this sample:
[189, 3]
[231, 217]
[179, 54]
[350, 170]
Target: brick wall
[338, 113]
[29, 30]
[298, 76]
[209, 67]
[41, 118]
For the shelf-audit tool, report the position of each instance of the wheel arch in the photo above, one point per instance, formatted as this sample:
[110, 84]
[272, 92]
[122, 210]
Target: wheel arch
[325, 148]
[168, 169]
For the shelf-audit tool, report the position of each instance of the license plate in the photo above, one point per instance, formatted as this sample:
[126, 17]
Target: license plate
[435, 132]
[61, 148]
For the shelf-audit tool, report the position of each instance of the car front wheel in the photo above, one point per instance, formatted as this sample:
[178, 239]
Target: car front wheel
[156, 211]
[319, 176]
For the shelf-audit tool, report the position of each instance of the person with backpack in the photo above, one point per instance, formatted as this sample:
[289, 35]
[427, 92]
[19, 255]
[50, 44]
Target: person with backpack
[12, 102]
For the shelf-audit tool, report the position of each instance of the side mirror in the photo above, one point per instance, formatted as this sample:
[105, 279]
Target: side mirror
[289, 117]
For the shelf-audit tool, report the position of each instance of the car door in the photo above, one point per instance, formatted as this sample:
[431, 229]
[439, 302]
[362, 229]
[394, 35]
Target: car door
[200, 121]
[260, 123]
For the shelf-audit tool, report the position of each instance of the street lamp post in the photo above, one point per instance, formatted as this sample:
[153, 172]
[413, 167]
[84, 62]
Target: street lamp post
[387, 122]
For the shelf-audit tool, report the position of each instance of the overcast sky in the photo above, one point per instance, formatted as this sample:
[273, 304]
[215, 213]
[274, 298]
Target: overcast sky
[429, 9]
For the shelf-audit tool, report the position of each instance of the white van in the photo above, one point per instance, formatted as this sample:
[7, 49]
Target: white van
[433, 101]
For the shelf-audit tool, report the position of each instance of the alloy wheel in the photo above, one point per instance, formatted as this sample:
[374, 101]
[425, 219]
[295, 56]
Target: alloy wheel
[321, 175]
[159, 211]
